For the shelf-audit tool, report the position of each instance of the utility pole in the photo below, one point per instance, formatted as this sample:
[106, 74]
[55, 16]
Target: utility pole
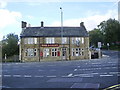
[61, 32]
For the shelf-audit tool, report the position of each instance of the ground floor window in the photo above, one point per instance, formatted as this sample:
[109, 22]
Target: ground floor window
[77, 52]
[54, 52]
[31, 52]
[45, 52]
[73, 52]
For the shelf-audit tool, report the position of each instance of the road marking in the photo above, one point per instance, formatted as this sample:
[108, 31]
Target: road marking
[94, 73]
[27, 76]
[75, 69]
[105, 55]
[0, 75]
[51, 65]
[84, 75]
[51, 76]
[7, 75]
[114, 67]
[16, 75]
[69, 75]
[38, 76]
[106, 75]
[78, 66]
[114, 72]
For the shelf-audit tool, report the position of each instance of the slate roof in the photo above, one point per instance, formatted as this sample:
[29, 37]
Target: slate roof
[54, 32]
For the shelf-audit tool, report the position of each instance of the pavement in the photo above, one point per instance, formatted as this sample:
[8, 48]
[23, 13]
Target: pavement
[85, 74]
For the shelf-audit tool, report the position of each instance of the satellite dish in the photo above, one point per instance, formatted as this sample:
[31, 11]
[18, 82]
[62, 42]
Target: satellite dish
[78, 43]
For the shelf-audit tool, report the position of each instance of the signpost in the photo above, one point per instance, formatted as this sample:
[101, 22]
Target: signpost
[108, 45]
[99, 52]
[99, 45]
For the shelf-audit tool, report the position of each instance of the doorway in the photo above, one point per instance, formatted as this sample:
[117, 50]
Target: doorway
[64, 53]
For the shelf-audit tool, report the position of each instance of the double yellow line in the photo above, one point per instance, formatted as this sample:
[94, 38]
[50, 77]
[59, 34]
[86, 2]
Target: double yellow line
[114, 87]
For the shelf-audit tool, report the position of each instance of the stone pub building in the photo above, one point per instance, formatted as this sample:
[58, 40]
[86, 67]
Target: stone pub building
[50, 44]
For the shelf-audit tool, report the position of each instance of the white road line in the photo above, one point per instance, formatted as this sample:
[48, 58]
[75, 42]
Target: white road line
[114, 67]
[94, 73]
[69, 75]
[78, 66]
[66, 76]
[114, 72]
[84, 75]
[75, 69]
[7, 75]
[27, 76]
[51, 76]
[38, 76]
[16, 75]
[51, 65]
[0, 75]
[106, 75]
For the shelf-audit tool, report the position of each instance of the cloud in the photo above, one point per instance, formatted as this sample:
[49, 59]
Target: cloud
[60, 0]
[90, 22]
[3, 4]
[8, 19]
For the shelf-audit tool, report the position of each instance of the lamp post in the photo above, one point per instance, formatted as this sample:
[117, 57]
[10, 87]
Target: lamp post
[61, 31]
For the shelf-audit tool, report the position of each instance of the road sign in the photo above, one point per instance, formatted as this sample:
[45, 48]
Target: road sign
[99, 44]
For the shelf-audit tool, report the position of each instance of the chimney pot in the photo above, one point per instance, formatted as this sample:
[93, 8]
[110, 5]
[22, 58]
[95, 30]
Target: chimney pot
[42, 24]
[24, 24]
[82, 24]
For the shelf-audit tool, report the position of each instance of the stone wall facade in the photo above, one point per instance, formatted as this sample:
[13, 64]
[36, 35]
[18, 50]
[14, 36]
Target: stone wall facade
[42, 51]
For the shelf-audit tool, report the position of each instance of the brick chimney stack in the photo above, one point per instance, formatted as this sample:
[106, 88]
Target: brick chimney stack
[24, 24]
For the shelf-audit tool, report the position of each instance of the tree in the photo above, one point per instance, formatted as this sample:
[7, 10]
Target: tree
[10, 45]
[95, 37]
[110, 30]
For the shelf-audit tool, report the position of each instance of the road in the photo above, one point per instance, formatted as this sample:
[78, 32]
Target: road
[95, 73]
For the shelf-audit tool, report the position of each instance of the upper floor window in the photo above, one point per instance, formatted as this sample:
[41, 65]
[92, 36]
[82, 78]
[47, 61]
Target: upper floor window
[82, 40]
[30, 40]
[75, 40]
[50, 40]
[78, 40]
[64, 40]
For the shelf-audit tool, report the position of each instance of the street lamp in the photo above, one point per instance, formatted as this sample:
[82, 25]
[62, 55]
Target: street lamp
[61, 30]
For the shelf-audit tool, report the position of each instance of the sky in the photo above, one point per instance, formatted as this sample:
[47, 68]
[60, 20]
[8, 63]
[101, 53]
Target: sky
[90, 12]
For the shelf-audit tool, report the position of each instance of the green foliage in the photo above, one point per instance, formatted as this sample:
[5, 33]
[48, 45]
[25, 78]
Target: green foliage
[110, 30]
[10, 45]
[95, 37]
[107, 32]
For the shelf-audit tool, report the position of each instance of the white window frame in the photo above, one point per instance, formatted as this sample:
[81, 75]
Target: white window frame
[54, 52]
[82, 52]
[46, 52]
[73, 51]
[82, 40]
[50, 40]
[30, 41]
[77, 52]
[64, 40]
[73, 40]
[31, 52]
